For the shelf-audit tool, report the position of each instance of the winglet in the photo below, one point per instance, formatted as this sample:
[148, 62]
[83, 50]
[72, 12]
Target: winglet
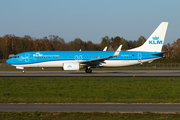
[117, 51]
[105, 48]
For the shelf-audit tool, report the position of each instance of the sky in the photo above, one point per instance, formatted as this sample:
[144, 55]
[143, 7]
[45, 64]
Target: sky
[89, 19]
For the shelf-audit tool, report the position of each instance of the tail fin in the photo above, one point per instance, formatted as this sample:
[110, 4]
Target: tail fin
[155, 42]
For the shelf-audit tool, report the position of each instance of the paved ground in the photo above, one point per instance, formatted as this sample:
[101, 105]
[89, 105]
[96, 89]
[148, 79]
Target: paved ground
[130, 108]
[147, 73]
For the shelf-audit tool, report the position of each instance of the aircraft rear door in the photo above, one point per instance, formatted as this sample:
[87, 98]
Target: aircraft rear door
[139, 57]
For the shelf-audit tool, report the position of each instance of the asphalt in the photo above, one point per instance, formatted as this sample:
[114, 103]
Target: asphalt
[107, 107]
[137, 73]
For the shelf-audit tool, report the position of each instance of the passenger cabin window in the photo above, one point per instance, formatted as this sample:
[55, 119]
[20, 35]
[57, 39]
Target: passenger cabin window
[16, 56]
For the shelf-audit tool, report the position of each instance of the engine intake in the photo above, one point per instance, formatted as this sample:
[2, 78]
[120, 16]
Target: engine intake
[71, 66]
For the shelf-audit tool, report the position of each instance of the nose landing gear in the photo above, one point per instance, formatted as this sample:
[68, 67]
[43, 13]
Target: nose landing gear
[23, 71]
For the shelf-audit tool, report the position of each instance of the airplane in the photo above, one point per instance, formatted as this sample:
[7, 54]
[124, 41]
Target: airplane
[76, 60]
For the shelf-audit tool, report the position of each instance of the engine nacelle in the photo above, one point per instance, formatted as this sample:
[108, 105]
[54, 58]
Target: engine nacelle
[71, 66]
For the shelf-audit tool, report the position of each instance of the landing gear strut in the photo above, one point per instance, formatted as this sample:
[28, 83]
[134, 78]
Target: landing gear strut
[88, 70]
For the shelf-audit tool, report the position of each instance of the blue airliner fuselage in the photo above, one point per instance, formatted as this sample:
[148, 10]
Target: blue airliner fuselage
[40, 58]
[75, 60]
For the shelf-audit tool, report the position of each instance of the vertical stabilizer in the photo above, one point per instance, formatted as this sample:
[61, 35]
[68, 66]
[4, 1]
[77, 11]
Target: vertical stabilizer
[155, 42]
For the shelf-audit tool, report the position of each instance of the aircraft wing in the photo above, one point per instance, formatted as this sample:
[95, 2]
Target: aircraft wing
[95, 62]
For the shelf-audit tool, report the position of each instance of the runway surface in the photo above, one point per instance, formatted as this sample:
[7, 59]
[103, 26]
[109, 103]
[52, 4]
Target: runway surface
[137, 73]
[129, 108]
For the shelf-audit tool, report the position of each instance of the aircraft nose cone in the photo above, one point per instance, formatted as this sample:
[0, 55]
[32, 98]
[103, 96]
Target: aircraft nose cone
[9, 61]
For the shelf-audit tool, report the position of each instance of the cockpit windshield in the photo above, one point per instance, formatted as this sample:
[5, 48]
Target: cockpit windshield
[16, 56]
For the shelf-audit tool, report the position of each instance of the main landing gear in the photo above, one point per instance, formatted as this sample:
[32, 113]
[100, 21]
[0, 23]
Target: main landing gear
[88, 70]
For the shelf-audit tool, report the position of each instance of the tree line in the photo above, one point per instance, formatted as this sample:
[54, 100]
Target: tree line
[11, 44]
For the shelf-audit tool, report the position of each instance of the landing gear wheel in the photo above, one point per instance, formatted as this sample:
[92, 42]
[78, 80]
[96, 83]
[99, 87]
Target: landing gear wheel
[23, 71]
[88, 70]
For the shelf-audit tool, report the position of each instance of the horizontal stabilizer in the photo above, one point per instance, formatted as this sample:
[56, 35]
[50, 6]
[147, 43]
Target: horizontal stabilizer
[161, 53]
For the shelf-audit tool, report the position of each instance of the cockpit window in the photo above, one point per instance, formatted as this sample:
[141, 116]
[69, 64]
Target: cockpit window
[16, 56]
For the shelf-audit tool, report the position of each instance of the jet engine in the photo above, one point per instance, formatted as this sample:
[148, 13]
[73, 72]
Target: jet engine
[71, 66]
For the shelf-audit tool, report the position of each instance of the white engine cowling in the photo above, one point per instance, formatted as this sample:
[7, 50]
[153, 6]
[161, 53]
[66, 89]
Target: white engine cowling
[71, 66]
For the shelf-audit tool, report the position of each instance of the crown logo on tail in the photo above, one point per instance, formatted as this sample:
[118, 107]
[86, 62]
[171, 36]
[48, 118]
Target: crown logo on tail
[155, 38]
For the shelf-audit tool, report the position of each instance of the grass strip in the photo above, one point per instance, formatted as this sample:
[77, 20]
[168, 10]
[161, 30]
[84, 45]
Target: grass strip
[89, 90]
[83, 116]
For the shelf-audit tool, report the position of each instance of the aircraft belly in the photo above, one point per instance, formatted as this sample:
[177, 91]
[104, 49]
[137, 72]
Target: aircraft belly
[43, 64]
[121, 63]
[50, 64]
